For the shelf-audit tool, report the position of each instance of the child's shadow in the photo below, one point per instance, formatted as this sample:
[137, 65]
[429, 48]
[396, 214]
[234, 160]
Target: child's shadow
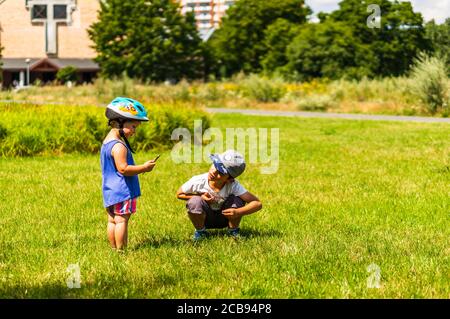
[157, 242]
[245, 234]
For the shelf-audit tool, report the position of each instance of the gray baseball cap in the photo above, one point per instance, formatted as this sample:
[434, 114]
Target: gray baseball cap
[229, 162]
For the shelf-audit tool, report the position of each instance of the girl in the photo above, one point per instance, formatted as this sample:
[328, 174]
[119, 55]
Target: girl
[120, 183]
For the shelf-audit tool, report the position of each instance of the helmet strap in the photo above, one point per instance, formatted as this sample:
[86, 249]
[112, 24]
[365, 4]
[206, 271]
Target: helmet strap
[122, 135]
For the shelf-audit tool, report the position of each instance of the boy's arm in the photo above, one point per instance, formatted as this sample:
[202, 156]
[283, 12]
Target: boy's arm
[119, 153]
[205, 196]
[182, 195]
[253, 206]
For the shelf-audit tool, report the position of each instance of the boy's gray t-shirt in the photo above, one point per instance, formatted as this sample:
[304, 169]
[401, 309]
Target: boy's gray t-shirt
[199, 185]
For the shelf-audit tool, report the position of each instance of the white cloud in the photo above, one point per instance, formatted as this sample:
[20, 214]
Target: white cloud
[322, 5]
[438, 10]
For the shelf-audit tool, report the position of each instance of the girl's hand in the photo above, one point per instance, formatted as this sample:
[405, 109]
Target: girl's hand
[207, 197]
[148, 166]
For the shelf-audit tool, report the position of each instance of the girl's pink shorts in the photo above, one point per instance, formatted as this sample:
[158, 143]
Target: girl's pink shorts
[123, 208]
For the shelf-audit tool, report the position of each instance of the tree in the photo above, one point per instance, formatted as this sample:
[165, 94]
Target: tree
[439, 36]
[148, 40]
[239, 44]
[66, 74]
[394, 45]
[328, 50]
[277, 37]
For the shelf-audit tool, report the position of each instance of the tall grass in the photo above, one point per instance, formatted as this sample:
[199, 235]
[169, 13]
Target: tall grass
[316, 103]
[395, 96]
[263, 89]
[430, 82]
[27, 129]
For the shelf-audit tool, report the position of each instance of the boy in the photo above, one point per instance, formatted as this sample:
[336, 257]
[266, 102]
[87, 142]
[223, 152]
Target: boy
[215, 199]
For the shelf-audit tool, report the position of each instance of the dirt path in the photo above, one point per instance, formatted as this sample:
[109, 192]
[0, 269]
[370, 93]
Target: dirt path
[333, 115]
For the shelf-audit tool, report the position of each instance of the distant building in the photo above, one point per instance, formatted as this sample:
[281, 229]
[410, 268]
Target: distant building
[39, 37]
[208, 13]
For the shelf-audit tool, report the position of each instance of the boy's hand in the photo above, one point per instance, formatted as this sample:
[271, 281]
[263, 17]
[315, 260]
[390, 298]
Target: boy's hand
[148, 166]
[230, 212]
[207, 197]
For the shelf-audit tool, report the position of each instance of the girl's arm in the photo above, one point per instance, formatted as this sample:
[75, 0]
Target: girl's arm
[119, 153]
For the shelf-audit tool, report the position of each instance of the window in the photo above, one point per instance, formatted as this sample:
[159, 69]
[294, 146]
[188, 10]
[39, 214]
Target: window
[39, 11]
[60, 11]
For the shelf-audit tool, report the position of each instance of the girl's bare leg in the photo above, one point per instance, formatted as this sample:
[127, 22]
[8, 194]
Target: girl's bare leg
[111, 230]
[121, 231]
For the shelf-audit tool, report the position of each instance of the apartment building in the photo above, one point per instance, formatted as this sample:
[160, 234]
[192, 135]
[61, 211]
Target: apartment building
[208, 13]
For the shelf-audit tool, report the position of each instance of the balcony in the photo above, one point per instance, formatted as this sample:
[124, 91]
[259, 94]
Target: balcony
[204, 25]
[197, 1]
[202, 8]
[203, 17]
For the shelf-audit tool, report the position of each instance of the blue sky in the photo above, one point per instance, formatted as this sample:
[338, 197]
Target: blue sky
[430, 9]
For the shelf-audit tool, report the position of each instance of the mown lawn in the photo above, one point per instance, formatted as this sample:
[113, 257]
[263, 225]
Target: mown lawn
[347, 194]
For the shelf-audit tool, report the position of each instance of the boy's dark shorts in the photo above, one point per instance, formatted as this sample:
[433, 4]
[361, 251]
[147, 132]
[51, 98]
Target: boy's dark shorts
[214, 218]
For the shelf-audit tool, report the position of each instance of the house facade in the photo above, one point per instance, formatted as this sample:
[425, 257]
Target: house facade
[39, 37]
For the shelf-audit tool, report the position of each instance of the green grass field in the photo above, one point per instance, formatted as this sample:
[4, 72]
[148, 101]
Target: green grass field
[347, 194]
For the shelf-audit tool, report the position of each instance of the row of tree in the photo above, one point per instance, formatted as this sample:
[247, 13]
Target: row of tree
[154, 41]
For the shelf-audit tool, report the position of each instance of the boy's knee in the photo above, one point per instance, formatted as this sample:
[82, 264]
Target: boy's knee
[195, 205]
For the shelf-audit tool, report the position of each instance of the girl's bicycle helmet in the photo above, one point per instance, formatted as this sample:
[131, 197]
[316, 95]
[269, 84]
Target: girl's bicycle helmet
[123, 109]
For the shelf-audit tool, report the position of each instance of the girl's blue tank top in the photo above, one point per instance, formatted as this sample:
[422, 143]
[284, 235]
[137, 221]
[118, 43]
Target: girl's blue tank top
[116, 187]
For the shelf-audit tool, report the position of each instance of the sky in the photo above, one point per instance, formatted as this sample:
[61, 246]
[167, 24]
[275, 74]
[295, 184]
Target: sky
[438, 10]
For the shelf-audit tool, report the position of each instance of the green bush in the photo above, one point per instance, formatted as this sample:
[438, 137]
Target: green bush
[162, 122]
[107, 89]
[210, 92]
[316, 103]
[180, 92]
[263, 89]
[66, 74]
[430, 82]
[27, 130]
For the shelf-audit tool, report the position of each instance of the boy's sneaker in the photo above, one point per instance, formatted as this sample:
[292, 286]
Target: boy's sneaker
[233, 232]
[200, 234]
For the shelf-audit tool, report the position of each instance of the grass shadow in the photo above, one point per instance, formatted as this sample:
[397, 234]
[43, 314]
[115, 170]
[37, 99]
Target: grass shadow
[157, 242]
[102, 287]
[245, 233]
[165, 241]
[51, 290]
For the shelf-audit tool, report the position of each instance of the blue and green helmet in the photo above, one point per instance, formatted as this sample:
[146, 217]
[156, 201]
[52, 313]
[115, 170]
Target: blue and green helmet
[123, 108]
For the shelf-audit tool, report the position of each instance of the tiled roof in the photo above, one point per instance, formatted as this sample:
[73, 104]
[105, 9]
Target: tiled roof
[20, 64]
